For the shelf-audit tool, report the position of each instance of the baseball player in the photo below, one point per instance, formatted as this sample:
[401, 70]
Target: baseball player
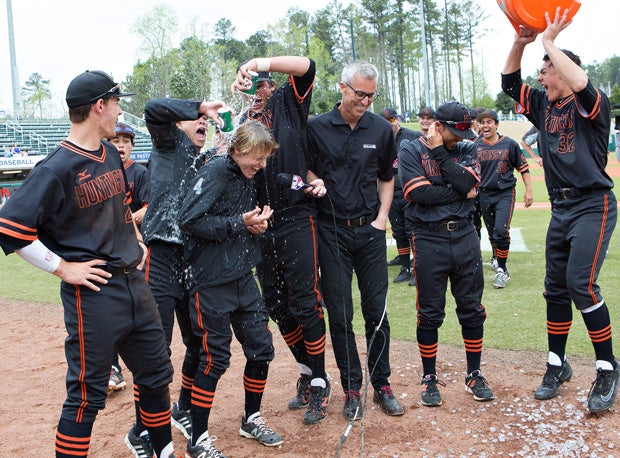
[178, 130]
[289, 272]
[528, 139]
[221, 216]
[574, 121]
[499, 156]
[137, 178]
[440, 174]
[400, 233]
[71, 217]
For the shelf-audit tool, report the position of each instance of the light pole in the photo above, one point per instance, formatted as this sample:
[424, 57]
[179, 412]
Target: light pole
[427, 88]
[14, 75]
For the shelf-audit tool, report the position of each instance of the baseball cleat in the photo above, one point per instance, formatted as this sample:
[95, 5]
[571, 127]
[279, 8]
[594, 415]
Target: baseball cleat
[140, 446]
[430, 395]
[553, 378]
[604, 390]
[476, 384]
[257, 428]
[319, 401]
[501, 278]
[403, 275]
[181, 420]
[117, 381]
[303, 392]
[203, 449]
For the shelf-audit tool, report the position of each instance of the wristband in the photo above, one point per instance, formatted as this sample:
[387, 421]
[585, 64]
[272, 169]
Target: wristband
[263, 64]
[39, 256]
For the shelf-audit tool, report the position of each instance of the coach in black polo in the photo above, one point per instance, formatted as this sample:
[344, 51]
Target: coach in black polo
[352, 150]
[440, 174]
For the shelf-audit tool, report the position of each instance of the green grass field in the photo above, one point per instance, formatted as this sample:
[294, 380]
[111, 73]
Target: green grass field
[516, 314]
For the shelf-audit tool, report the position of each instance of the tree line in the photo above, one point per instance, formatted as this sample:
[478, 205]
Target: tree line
[387, 33]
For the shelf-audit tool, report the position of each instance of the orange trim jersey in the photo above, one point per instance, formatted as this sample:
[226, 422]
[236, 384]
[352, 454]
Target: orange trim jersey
[432, 197]
[498, 160]
[574, 132]
[79, 217]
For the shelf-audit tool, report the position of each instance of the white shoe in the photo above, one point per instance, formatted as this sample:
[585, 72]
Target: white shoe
[501, 278]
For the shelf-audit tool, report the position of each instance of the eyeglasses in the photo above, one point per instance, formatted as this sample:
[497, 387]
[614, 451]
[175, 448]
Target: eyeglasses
[361, 95]
[391, 119]
[458, 125]
[115, 90]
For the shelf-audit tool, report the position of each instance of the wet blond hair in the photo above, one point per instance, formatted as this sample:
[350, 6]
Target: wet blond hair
[252, 136]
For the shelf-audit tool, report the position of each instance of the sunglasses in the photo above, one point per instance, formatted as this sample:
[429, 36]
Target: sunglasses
[115, 90]
[361, 95]
[391, 119]
[458, 125]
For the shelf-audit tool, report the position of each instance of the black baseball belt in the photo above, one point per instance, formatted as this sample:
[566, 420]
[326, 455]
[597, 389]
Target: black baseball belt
[441, 226]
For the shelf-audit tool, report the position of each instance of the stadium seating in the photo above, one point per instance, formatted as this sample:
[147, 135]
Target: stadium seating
[40, 137]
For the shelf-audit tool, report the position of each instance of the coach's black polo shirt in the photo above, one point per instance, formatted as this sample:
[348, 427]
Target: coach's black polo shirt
[350, 162]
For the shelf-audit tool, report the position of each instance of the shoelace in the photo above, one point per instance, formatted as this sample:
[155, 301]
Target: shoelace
[552, 377]
[351, 395]
[207, 444]
[262, 426]
[431, 381]
[599, 381]
[387, 390]
[477, 376]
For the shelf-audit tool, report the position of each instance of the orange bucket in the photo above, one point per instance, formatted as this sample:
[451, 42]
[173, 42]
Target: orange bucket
[531, 13]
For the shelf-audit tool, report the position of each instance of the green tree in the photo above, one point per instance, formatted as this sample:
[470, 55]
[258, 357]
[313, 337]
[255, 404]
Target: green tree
[614, 97]
[504, 103]
[36, 92]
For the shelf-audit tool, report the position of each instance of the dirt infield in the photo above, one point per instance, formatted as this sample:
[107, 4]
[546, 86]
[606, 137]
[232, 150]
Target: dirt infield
[515, 424]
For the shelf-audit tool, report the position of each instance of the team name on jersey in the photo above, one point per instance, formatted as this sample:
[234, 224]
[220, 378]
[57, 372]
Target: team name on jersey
[430, 166]
[100, 188]
[555, 123]
[493, 154]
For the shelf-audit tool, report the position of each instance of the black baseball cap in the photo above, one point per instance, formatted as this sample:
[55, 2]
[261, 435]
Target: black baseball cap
[488, 114]
[427, 111]
[457, 119]
[389, 113]
[90, 86]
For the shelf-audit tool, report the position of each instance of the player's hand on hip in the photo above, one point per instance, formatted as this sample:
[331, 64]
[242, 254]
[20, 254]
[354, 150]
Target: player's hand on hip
[83, 273]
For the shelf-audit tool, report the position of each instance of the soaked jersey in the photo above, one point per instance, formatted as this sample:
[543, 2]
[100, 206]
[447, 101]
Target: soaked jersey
[498, 160]
[417, 169]
[220, 248]
[286, 113]
[573, 133]
[76, 203]
[173, 164]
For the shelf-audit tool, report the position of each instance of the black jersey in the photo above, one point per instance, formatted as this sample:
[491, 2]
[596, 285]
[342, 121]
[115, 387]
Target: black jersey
[220, 248]
[76, 203]
[350, 161]
[138, 180]
[573, 133]
[286, 113]
[498, 160]
[403, 135]
[432, 199]
[173, 164]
